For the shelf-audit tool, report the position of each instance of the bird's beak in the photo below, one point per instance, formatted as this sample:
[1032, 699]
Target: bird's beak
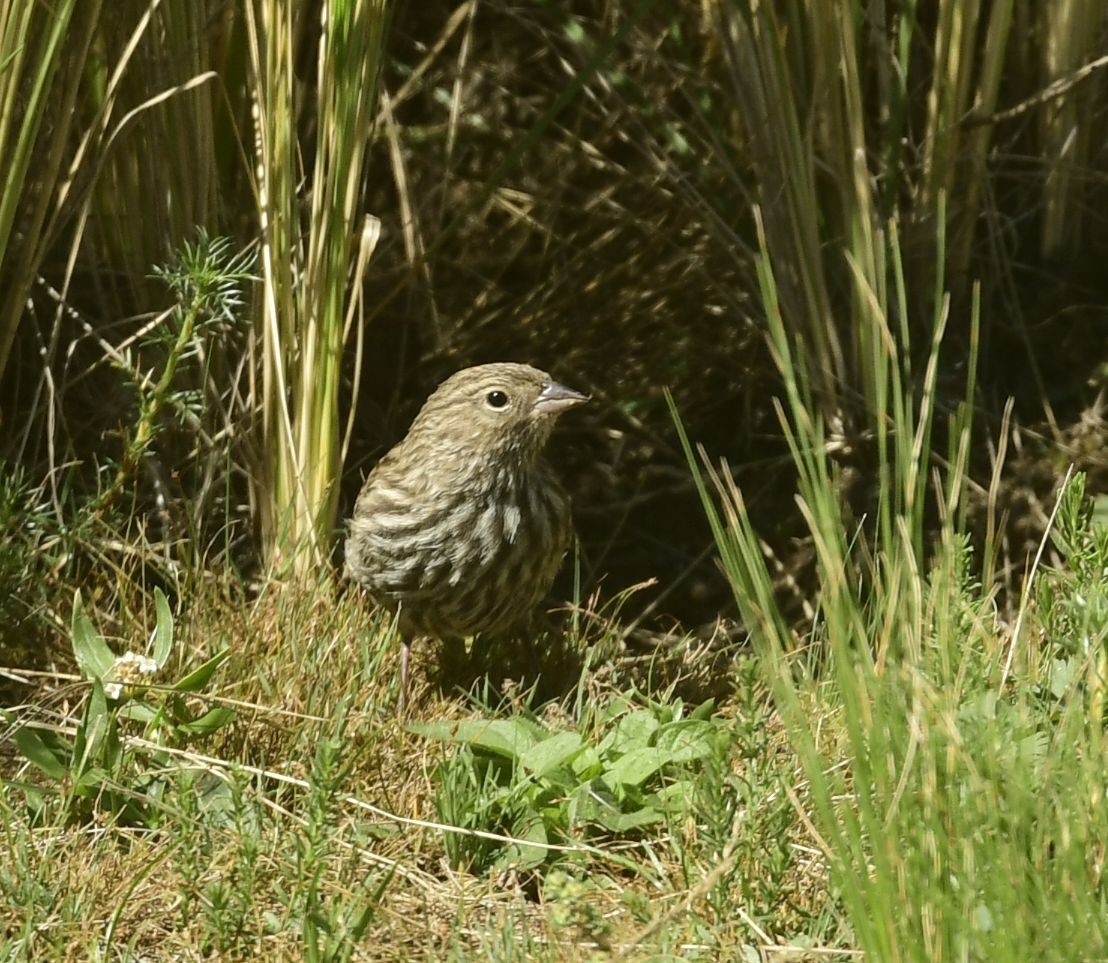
[555, 398]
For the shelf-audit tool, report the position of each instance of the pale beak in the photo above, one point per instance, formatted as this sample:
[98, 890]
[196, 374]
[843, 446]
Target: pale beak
[555, 398]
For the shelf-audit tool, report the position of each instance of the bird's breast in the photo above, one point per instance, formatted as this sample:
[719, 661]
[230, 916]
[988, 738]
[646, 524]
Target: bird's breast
[461, 559]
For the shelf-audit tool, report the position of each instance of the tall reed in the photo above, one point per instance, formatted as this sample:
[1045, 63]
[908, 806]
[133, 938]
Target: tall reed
[853, 115]
[43, 49]
[311, 145]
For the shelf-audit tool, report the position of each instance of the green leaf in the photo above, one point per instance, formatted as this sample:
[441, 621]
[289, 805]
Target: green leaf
[94, 657]
[90, 782]
[1100, 512]
[618, 822]
[214, 797]
[587, 765]
[687, 740]
[163, 632]
[588, 801]
[531, 828]
[111, 755]
[198, 678]
[633, 731]
[209, 722]
[558, 781]
[704, 710]
[35, 795]
[636, 767]
[678, 797]
[138, 712]
[1063, 674]
[551, 753]
[509, 738]
[92, 729]
[360, 923]
[50, 759]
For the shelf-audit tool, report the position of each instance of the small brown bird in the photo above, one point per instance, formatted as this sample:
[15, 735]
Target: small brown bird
[461, 528]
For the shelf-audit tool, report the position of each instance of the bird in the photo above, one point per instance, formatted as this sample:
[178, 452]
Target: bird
[460, 529]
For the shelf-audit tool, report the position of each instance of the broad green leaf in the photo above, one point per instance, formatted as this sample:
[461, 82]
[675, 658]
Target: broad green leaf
[587, 802]
[635, 729]
[94, 657]
[677, 796]
[687, 740]
[704, 710]
[90, 782]
[35, 795]
[531, 828]
[209, 722]
[632, 731]
[636, 767]
[50, 760]
[163, 631]
[618, 822]
[557, 782]
[555, 751]
[505, 737]
[214, 796]
[586, 764]
[1100, 512]
[92, 728]
[138, 711]
[198, 678]
[610, 711]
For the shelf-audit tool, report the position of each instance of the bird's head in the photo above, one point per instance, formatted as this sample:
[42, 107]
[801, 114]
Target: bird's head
[504, 409]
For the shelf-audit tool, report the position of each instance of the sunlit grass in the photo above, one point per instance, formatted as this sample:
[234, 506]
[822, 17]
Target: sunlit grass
[959, 777]
[318, 809]
[906, 774]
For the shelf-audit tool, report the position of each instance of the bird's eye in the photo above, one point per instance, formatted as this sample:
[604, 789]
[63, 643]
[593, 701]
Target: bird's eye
[496, 399]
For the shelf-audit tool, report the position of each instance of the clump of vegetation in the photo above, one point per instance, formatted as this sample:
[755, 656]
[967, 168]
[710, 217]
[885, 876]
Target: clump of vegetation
[25, 533]
[958, 784]
[96, 770]
[515, 777]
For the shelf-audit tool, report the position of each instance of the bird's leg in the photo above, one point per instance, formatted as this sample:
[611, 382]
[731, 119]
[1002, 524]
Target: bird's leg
[454, 661]
[532, 628]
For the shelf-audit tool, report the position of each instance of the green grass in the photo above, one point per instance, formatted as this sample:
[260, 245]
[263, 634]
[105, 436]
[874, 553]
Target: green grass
[316, 812]
[957, 777]
[905, 775]
[913, 770]
[924, 798]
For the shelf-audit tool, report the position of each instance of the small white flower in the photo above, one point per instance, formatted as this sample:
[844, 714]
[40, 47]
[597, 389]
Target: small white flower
[140, 664]
[128, 669]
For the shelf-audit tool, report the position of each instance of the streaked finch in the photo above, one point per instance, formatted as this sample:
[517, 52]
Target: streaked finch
[461, 528]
